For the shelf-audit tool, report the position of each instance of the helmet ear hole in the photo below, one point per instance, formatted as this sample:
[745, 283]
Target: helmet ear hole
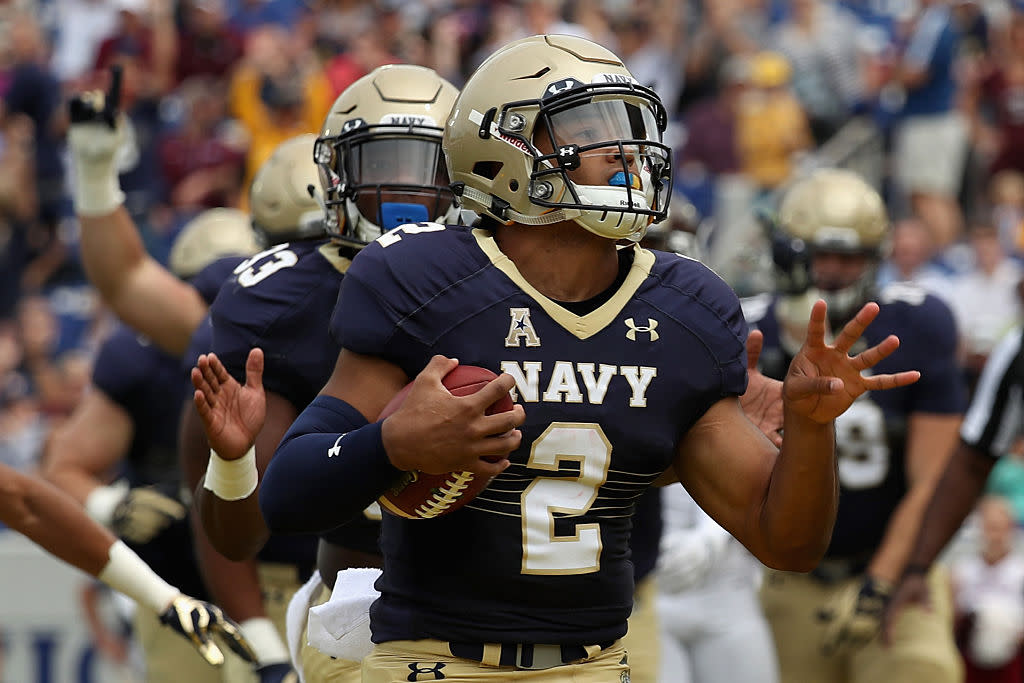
[487, 169]
[513, 185]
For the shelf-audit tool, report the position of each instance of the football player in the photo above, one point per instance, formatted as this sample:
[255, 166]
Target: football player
[380, 166]
[56, 522]
[991, 424]
[629, 362]
[832, 228]
[167, 310]
[126, 425]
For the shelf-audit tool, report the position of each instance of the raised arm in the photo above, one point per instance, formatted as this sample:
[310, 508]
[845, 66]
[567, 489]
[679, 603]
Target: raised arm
[139, 290]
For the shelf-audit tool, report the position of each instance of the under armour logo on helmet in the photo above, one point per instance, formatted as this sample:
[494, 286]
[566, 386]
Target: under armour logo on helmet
[562, 86]
[569, 157]
[634, 328]
[417, 669]
[352, 124]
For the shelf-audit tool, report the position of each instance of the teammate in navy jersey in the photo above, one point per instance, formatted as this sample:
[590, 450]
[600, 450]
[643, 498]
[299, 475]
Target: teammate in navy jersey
[380, 166]
[167, 310]
[126, 425]
[991, 425]
[628, 362]
[891, 446]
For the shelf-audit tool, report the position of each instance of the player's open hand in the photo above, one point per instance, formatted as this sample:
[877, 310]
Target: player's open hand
[824, 380]
[762, 401]
[435, 432]
[232, 413]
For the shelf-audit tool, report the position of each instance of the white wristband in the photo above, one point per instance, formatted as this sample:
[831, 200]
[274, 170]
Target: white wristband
[265, 640]
[95, 187]
[103, 500]
[127, 573]
[232, 479]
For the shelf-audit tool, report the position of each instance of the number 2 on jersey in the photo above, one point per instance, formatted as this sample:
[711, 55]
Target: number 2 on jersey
[543, 551]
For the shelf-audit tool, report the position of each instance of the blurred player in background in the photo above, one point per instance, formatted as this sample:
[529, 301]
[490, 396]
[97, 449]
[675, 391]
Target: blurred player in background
[168, 310]
[892, 446]
[117, 456]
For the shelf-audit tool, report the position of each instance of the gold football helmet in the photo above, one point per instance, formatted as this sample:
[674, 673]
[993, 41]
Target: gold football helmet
[213, 234]
[281, 197]
[832, 211]
[379, 154]
[533, 112]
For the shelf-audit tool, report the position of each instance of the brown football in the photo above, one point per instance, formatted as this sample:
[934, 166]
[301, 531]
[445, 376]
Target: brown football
[424, 496]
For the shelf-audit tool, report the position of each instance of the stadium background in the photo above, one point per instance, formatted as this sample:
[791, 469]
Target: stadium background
[758, 91]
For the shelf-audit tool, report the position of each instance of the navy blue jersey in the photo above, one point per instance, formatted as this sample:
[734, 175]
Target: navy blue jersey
[871, 434]
[993, 421]
[298, 550]
[281, 301]
[541, 555]
[146, 383]
[208, 280]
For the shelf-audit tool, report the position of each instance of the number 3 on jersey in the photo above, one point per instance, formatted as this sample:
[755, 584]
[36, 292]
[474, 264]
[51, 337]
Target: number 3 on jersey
[543, 551]
[269, 262]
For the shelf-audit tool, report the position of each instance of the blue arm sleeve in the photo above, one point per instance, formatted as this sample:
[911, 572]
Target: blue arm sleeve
[328, 468]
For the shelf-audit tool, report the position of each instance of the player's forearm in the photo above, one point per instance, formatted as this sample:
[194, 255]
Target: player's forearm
[111, 250]
[318, 481]
[235, 586]
[892, 555]
[956, 494]
[800, 506]
[54, 520]
[235, 528]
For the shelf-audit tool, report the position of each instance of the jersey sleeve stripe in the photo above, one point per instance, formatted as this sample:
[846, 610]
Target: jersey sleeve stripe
[993, 418]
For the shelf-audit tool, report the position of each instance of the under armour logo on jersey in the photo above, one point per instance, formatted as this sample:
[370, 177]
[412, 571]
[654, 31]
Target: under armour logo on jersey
[336, 448]
[521, 328]
[419, 669]
[648, 329]
[562, 86]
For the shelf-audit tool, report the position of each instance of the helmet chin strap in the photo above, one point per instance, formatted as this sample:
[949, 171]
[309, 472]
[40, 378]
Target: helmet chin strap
[550, 218]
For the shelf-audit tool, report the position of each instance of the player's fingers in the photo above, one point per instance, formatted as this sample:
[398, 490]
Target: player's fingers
[816, 325]
[495, 390]
[437, 368]
[218, 369]
[899, 379]
[254, 369]
[755, 342]
[198, 380]
[202, 406]
[501, 423]
[800, 387]
[871, 357]
[852, 330]
[205, 365]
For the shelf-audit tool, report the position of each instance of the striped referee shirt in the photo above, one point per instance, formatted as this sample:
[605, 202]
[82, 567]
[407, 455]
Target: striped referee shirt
[994, 418]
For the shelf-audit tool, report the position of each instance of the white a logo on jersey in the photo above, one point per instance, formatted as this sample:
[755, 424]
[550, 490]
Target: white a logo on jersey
[646, 329]
[521, 328]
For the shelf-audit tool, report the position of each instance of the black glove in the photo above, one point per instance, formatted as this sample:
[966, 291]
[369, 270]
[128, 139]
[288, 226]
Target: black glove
[197, 621]
[97, 106]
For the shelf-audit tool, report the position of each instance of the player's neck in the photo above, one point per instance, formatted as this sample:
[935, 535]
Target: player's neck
[564, 262]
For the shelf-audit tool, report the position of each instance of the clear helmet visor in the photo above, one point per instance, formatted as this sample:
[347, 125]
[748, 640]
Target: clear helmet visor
[610, 150]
